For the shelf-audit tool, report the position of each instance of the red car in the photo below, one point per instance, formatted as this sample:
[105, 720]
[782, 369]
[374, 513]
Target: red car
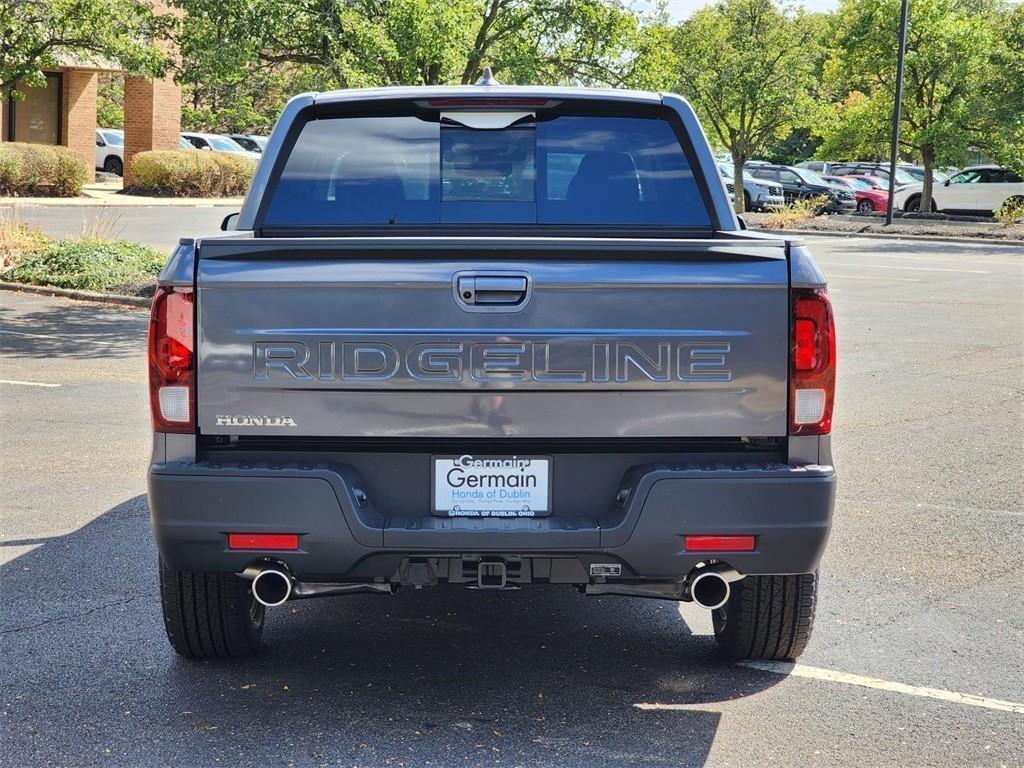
[869, 190]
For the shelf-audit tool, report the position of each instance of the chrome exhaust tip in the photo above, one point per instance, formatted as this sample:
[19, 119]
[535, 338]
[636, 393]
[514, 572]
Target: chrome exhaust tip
[709, 589]
[271, 587]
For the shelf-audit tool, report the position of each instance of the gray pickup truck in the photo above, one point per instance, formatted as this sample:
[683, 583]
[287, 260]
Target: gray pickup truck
[490, 337]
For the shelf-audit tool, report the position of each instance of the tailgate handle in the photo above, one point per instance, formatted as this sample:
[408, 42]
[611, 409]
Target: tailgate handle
[492, 290]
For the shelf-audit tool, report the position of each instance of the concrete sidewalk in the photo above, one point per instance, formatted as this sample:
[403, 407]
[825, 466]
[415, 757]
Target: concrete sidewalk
[109, 193]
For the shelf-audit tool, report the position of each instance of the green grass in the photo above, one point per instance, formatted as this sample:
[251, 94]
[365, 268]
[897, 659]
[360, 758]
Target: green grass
[109, 266]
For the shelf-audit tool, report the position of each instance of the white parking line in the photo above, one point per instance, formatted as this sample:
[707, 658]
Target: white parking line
[920, 269]
[28, 383]
[845, 678]
[64, 337]
[830, 275]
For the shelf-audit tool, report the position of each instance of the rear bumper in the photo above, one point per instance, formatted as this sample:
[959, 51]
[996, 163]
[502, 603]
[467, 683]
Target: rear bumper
[344, 538]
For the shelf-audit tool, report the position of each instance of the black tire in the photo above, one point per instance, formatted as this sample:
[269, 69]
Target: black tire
[210, 615]
[746, 201]
[914, 205]
[865, 206]
[767, 617]
[113, 165]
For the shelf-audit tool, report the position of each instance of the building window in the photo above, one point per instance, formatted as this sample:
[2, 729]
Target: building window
[36, 118]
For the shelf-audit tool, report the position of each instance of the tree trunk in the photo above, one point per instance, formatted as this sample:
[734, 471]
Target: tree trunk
[739, 159]
[928, 159]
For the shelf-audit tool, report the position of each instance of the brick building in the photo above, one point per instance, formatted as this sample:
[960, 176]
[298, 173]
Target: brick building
[63, 112]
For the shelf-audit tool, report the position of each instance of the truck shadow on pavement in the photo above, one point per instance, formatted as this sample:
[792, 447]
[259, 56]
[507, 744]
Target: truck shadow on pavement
[73, 330]
[442, 676]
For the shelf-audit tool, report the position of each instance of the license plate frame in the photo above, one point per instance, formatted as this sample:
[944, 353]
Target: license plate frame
[498, 507]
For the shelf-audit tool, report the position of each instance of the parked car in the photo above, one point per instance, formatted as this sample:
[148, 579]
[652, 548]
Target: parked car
[918, 172]
[110, 150]
[875, 182]
[249, 143]
[757, 195]
[979, 190]
[801, 183]
[872, 169]
[441, 380]
[869, 198]
[217, 143]
[818, 166]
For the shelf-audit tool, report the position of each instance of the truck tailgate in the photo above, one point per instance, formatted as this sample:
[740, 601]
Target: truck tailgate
[492, 337]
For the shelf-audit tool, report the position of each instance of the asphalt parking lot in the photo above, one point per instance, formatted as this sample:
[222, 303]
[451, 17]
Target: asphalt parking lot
[916, 658]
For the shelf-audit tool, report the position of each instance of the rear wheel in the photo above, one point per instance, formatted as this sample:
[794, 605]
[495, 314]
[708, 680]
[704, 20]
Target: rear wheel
[865, 206]
[114, 165]
[767, 617]
[209, 615]
[746, 201]
[914, 205]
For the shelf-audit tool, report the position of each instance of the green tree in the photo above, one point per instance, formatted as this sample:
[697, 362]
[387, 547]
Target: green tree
[241, 59]
[1000, 103]
[37, 34]
[749, 68]
[949, 45]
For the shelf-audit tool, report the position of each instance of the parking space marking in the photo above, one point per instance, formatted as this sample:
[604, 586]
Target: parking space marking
[9, 552]
[886, 278]
[28, 383]
[65, 337]
[834, 676]
[787, 669]
[920, 269]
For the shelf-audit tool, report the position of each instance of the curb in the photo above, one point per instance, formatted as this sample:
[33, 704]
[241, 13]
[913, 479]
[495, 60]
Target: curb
[67, 293]
[895, 236]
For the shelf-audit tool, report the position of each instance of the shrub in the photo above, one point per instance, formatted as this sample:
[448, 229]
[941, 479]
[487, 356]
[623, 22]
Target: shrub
[89, 265]
[16, 239]
[1012, 212]
[800, 210]
[38, 169]
[191, 173]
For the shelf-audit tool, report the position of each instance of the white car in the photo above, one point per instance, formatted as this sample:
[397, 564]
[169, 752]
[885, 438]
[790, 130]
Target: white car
[217, 143]
[110, 150]
[980, 189]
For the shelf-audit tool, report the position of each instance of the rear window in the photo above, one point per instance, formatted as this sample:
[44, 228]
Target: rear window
[429, 169]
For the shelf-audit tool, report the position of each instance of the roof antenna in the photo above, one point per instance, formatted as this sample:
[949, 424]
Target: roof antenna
[487, 78]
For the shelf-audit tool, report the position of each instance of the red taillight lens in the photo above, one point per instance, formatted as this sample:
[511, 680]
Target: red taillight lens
[719, 543]
[813, 363]
[263, 541]
[171, 348]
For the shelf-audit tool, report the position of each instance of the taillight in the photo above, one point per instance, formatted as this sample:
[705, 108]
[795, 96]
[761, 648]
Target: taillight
[171, 360]
[812, 363]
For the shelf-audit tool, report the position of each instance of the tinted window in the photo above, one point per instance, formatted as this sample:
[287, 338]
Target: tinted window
[966, 177]
[788, 177]
[414, 170]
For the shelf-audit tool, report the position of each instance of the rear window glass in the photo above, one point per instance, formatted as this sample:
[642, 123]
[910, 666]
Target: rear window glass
[409, 169]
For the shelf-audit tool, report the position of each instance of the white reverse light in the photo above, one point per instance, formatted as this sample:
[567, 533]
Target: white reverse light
[174, 403]
[810, 406]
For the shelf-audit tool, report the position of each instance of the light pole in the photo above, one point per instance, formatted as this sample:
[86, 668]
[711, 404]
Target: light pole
[895, 148]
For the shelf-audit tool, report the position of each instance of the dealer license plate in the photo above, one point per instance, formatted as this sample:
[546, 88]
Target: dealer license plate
[492, 486]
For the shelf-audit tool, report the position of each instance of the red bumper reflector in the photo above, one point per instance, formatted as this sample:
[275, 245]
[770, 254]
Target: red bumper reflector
[263, 541]
[719, 543]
